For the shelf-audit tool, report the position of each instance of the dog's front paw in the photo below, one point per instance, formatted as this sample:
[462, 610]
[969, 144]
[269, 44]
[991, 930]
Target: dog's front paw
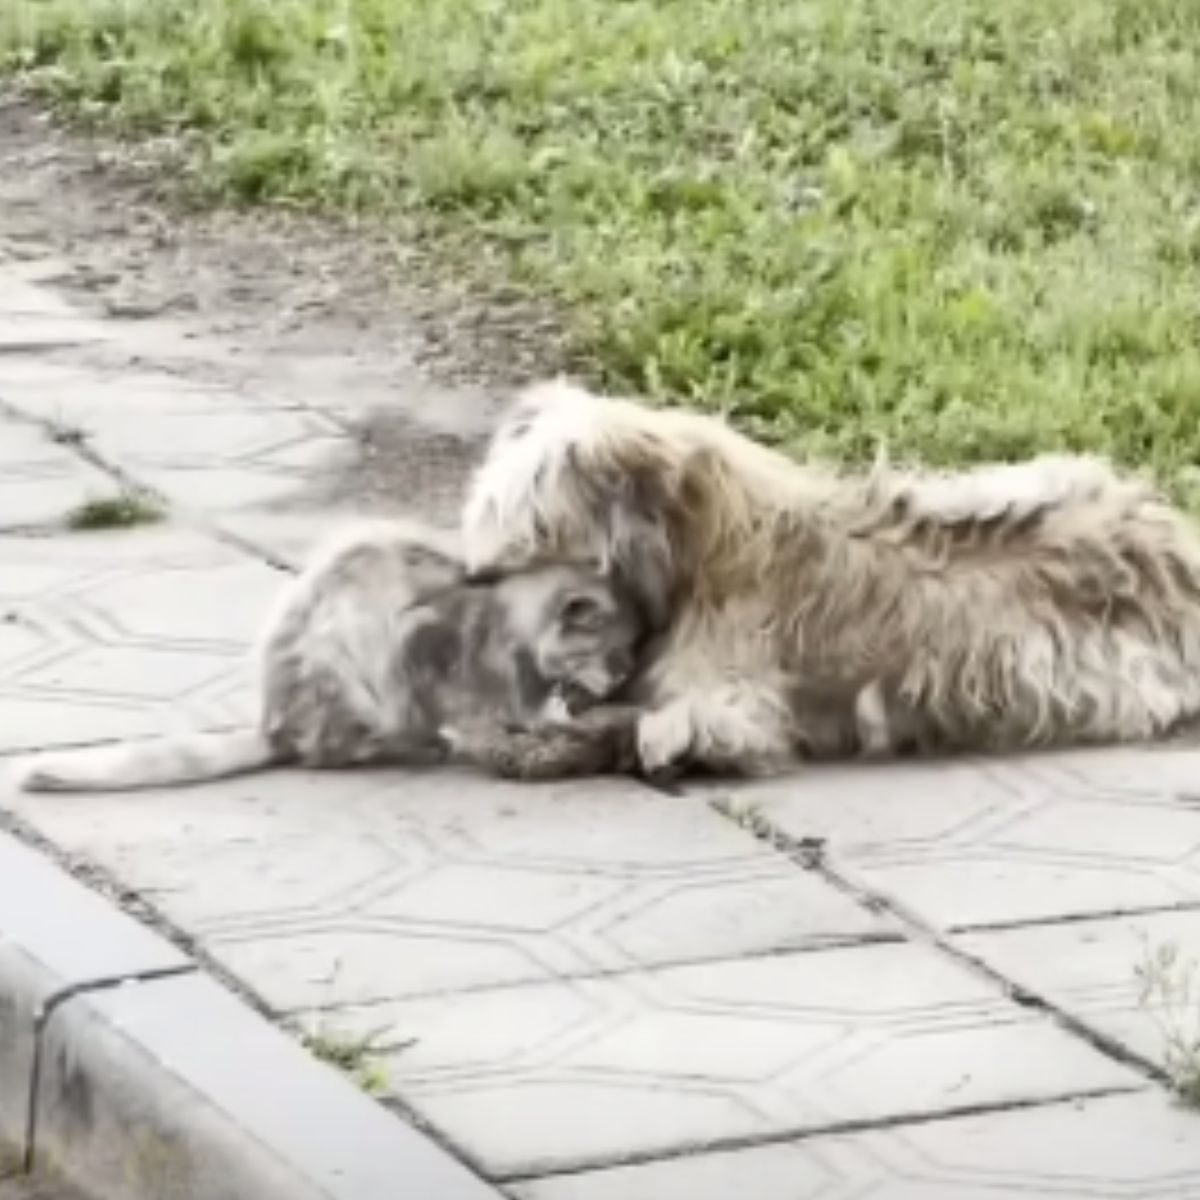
[664, 740]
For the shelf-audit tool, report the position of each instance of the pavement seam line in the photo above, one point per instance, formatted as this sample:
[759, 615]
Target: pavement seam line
[1111, 914]
[810, 855]
[850, 942]
[809, 1133]
[46, 1011]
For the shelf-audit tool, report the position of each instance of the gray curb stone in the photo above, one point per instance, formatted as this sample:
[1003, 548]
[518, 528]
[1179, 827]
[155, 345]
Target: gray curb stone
[130, 1074]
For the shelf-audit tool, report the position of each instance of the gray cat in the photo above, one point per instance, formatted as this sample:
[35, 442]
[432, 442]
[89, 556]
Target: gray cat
[383, 651]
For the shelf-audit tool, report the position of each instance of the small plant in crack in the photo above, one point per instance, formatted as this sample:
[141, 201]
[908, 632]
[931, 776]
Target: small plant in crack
[1170, 994]
[117, 512]
[809, 852]
[745, 815]
[356, 1055]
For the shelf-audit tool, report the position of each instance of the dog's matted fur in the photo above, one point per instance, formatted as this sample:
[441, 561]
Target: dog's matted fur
[1046, 602]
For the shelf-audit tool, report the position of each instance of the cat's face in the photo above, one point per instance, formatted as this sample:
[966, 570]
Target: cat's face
[588, 642]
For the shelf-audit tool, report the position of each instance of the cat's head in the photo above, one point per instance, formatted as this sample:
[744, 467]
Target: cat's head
[586, 633]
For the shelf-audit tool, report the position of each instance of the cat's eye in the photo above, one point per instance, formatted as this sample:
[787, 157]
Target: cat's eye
[580, 610]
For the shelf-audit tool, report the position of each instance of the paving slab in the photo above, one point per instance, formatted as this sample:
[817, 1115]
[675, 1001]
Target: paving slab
[379, 885]
[537, 1078]
[125, 633]
[23, 298]
[41, 483]
[48, 330]
[1126, 1147]
[212, 452]
[976, 843]
[1110, 972]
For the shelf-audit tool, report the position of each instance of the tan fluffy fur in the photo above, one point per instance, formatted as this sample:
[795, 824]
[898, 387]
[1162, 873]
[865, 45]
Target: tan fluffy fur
[1045, 602]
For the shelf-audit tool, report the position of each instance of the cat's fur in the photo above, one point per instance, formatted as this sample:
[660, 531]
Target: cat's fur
[383, 651]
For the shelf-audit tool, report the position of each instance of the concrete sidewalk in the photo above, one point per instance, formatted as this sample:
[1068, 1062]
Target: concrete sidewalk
[912, 982]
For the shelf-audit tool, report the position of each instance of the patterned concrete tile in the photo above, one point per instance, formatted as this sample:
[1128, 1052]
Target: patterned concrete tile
[19, 642]
[109, 401]
[201, 447]
[27, 448]
[287, 537]
[224, 489]
[365, 886]
[1000, 841]
[31, 723]
[1157, 774]
[123, 673]
[221, 605]
[199, 435]
[867, 809]
[124, 633]
[19, 297]
[816, 1169]
[36, 569]
[1127, 1147]
[539, 1077]
[46, 499]
[211, 438]
[21, 330]
[41, 482]
[1093, 970]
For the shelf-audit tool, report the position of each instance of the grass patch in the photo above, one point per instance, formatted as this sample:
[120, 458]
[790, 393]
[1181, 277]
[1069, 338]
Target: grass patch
[1170, 993]
[116, 512]
[958, 228]
[355, 1056]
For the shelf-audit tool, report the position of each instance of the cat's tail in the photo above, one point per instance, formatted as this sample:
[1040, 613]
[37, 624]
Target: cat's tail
[160, 762]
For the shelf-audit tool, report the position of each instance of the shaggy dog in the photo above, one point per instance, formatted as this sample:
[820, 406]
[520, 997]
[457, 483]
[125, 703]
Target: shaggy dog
[805, 612]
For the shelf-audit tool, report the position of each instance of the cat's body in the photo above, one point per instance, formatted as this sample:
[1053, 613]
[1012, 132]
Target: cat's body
[383, 651]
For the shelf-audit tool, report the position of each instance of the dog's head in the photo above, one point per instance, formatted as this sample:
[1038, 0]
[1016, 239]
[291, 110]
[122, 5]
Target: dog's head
[571, 476]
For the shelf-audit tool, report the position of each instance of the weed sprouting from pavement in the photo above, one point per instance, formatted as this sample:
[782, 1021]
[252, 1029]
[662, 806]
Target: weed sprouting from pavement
[1170, 994]
[747, 816]
[125, 511]
[356, 1055]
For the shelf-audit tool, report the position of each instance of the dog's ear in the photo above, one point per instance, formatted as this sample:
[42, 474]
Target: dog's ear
[640, 545]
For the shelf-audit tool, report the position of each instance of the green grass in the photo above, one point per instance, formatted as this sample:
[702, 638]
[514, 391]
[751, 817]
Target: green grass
[116, 512]
[354, 1056]
[960, 228]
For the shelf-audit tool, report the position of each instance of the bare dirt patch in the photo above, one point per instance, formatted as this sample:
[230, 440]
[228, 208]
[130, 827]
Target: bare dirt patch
[339, 316]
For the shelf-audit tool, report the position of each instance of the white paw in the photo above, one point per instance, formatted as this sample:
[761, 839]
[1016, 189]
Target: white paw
[555, 710]
[665, 737]
[453, 739]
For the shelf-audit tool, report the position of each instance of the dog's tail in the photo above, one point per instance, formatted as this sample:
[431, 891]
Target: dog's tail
[161, 762]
